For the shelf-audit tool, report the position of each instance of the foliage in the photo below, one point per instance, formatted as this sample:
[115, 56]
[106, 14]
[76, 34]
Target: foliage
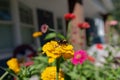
[88, 71]
[85, 71]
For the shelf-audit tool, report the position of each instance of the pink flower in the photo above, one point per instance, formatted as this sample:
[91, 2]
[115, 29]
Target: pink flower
[44, 28]
[69, 16]
[79, 57]
[113, 23]
[84, 25]
[28, 63]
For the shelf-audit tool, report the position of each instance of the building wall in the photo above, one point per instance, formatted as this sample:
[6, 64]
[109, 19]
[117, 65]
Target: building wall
[58, 7]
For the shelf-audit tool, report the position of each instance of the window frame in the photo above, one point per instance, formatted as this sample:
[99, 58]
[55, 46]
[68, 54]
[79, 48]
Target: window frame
[26, 25]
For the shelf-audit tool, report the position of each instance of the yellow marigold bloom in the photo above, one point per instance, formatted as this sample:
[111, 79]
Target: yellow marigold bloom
[50, 74]
[37, 34]
[54, 50]
[67, 51]
[50, 46]
[13, 65]
[50, 60]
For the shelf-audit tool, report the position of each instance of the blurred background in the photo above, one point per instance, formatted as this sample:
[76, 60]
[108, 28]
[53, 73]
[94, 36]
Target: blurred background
[20, 18]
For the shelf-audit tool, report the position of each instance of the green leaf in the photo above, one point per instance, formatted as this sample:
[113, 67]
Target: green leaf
[67, 77]
[10, 72]
[82, 78]
[25, 78]
[60, 36]
[50, 36]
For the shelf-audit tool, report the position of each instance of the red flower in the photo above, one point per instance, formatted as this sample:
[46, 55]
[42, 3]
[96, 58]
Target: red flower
[99, 46]
[84, 25]
[91, 59]
[69, 16]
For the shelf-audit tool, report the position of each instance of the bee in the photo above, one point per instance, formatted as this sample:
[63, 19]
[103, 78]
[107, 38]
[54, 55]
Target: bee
[62, 42]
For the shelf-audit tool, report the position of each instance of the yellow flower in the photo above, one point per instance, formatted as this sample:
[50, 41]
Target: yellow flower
[13, 65]
[54, 50]
[67, 51]
[50, 60]
[37, 34]
[50, 46]
[50, 74]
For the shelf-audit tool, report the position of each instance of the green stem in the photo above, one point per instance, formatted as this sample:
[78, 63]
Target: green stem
[57, 68]
[68, 30]
[52, 30]
[5, 74]
[111, 36]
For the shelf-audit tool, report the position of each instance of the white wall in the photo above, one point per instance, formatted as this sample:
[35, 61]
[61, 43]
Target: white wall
[92, 9]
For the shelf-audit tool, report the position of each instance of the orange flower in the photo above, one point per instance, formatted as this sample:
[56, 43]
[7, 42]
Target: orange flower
[91, 59]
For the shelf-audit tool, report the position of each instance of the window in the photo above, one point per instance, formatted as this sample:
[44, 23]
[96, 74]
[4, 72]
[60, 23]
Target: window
[5, 10]
[26, 20]
[26, 15]
[6, 36]
[6, 27]
[60, 25]
[27, 35]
